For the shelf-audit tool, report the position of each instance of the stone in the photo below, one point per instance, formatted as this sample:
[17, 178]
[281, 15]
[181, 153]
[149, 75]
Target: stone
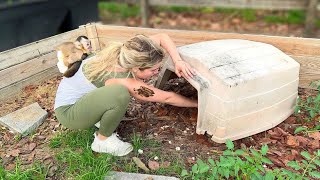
[136, 176]
[244, 87]
[25, 120]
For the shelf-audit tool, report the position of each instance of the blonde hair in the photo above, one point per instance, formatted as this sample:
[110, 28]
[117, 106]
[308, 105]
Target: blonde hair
[140, 51]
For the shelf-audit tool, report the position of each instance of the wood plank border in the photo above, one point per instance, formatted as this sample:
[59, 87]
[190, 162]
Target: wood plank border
[289, 45]
[26, 69]
[31, 63]
[16, 88]
[29, 51]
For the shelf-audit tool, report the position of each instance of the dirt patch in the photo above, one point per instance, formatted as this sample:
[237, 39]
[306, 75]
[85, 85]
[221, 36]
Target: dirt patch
[173, 127]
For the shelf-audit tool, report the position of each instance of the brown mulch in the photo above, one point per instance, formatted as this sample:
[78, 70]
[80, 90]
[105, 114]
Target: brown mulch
[173, 127]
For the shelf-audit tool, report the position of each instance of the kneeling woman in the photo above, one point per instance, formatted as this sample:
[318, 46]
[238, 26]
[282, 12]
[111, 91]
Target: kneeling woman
[101, 89]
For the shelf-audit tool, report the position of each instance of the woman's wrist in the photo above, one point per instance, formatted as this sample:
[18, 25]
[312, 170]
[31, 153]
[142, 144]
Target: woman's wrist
[177, 60]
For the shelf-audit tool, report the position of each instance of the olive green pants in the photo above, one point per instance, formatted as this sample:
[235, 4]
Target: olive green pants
[106, 104]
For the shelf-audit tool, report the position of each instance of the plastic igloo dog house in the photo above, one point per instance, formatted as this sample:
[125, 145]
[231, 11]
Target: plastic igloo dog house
[244, 87]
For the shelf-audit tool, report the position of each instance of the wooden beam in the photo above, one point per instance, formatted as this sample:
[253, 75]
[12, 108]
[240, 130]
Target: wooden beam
[29, 51]
[16, 88]
[289, 45]
[309, 70]
[92, 35]
[26, 69]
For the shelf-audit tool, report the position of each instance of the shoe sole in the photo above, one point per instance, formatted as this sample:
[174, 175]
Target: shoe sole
[113, 154]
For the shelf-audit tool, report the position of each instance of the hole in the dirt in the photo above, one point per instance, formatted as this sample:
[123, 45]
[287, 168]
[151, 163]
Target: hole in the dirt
[184, 88]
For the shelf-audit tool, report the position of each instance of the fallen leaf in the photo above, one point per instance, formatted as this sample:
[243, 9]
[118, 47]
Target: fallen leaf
[314, 144]
[32, 146]
[14, 152]
[276, 152]
[47, 161]
[287, 159]
[7, 159]
[31, 156]
[267, 141]
[52, 171]
[22, 142]
[7, 137]
[302, 140]
[292, 141]
[315, 135]
[41, 137]
[162, 112]
[140, 164]
[165, 164]
[280, 131]
[291, 120]
[11, 166]
[294, 152]
[276, 161]
[153, 165]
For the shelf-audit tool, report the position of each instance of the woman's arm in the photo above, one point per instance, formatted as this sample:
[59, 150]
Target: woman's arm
[144, 92]
[181, 67]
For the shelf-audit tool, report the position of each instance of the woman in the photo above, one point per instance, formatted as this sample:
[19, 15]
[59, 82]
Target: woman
[101, 89]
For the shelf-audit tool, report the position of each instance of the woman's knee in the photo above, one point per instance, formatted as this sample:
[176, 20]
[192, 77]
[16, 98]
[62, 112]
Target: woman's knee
[124, 94]
[121, 94]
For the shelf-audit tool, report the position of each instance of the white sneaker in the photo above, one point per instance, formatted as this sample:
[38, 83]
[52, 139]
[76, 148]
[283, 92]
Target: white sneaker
[112, 145]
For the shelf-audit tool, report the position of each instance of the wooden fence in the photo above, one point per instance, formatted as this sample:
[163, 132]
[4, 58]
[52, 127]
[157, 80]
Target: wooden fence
[35, 62]
[310, 6]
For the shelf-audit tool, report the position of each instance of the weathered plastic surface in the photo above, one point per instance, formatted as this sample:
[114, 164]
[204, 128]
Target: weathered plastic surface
[244, 87]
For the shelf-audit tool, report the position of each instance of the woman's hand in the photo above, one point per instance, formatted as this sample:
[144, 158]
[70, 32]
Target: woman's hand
[145, 92]
[183, 69]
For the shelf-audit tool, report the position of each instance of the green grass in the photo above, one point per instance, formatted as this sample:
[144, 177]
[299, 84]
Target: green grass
[176, 9]
[139, 143]
[76, 157]
[248, 15]
[78, 161]
[124, 10]
[290, 17]
[121, 10]
[318, 23]
[226, 10]
[36, 171]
